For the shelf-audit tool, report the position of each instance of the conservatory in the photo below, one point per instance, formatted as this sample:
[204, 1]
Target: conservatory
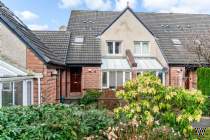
[16, 86]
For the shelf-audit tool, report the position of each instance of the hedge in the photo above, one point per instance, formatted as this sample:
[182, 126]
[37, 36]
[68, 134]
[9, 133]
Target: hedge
[51, 122]
[203, 82]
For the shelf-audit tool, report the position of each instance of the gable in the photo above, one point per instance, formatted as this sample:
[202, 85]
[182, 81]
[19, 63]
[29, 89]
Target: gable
[127, 28]
[11, 46]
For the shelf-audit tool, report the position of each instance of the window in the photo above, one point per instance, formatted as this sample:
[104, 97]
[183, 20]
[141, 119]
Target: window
[141, 48]
[114, 47]
[17, 93]
[104, 82]
[176, 41]
[113, 79]
[79, 39]
[7, 86]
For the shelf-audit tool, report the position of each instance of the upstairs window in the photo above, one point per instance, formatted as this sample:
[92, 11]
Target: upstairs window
[141, 48]
[114, 47]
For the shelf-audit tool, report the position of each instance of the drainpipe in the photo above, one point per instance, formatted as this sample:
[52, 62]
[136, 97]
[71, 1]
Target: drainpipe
[39, 90]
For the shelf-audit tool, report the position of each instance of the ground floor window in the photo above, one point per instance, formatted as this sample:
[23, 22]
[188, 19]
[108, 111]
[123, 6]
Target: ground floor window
[16, 93]
[114, 79]
[159, 74]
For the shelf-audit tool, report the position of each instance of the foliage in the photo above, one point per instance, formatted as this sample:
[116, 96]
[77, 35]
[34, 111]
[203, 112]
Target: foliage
[51, 122]
[204, 80]
[206, 108]
[91, 96]
[152, 105]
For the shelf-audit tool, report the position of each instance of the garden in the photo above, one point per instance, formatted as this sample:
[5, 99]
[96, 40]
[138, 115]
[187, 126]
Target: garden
[148, 111]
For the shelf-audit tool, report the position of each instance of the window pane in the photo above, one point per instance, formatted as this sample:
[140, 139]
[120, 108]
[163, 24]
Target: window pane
[160, 75]
[145, 48]
[137, 48]
[117, 47]
[7, 98]
[127, 76]
[19, 93]
[29, 96]
[119, 78]
[110, 47]
[104, 79]
[112, 79]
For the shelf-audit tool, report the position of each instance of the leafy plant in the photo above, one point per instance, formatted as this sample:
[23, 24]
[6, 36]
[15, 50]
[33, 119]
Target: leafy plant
[152, 105]
[51, 122]
[91, 96]
[203, 80]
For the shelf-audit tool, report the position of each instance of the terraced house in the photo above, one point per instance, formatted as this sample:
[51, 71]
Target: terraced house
[97, 50]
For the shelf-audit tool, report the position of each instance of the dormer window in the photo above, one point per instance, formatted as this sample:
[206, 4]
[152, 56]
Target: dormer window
[79, 39]
[114, 47]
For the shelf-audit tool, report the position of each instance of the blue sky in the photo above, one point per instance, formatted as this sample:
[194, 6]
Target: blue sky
[50, 14]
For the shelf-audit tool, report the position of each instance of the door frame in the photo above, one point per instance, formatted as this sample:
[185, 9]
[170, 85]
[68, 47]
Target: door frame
[79, 69]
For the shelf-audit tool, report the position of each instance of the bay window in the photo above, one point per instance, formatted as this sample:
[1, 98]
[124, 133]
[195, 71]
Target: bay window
[114, 79]
[141, 48]
[114, 47]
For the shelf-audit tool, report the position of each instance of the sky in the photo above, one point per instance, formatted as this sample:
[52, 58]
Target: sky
[51, 14]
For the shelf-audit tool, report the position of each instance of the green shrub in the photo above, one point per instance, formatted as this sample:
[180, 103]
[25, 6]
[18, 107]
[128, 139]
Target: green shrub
[152, 105]
[203, 81]
[53, 122]
[91, 96]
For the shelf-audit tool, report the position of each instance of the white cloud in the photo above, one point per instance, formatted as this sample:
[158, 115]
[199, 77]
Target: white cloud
[38, 27]
[27, 15]
[98, 4]
[122, 4]
[69, 3]
[178, 6]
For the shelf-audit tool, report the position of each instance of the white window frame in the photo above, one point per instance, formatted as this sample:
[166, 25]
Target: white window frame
[10, 86]
[141, 48]
[105, 87]
[24, 100]
[114, 47]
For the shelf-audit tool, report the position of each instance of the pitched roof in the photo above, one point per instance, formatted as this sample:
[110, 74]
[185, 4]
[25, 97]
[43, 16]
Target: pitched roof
[163, 26]
[27, 36]
[57, 41]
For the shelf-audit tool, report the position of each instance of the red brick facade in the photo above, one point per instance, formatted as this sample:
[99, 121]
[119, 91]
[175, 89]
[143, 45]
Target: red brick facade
[48, 82]
[91, 78]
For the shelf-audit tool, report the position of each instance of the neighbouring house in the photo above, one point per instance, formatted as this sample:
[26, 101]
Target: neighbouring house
[97, 50]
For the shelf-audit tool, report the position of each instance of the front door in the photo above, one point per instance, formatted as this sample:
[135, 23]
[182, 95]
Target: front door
[75, 77]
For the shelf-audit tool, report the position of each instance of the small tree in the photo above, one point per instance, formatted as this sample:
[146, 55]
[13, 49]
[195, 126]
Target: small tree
[152, 105]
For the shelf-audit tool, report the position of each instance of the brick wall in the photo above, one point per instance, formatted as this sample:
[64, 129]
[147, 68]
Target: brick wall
[48, 82]
[91, 78]
[192, 80]
[176, 76]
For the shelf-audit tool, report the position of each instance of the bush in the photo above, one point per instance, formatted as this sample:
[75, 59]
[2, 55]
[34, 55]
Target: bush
[152, 105]
[91, 96]
[204, 80]
[53, 122]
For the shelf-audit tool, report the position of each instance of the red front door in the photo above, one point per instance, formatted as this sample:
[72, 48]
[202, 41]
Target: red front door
[75, 77]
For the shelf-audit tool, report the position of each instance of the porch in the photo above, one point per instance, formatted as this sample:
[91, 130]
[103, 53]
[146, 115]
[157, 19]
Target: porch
[16, 86]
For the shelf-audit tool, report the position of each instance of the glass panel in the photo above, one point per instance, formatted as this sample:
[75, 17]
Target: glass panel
[19, 93]
[110, 47]
[160, 75]
[127, 76]
[112, 79]
[117, 47]
[29, 96]
[119, 78]
[137, 48]
[7, 99]
[104, 79]
[145, 48]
